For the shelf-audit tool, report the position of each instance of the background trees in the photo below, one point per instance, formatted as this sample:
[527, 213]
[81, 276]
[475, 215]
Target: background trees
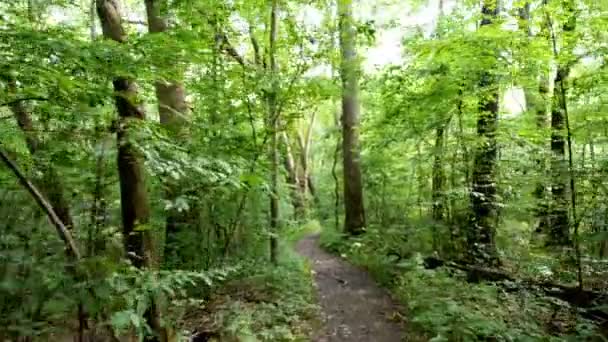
[450, 149]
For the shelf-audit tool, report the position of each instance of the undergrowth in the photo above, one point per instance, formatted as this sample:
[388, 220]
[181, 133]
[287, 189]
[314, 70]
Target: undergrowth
[441, 303]
[264, 302]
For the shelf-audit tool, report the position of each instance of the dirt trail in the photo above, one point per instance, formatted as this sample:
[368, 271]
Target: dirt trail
[354, 307]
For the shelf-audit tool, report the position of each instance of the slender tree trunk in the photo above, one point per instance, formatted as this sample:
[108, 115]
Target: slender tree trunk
[302, 169]
[273, 121]
[305, 143]
[354, 222]
[334, 175]
[139, 241]
[481, 234]
[464, 150]
[438, 177]
[559, 234]
[292, 179]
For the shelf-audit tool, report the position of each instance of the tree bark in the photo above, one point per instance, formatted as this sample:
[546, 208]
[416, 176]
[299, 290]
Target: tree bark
[138, 238]
[482, 230]
[354, 222]
[273, 121]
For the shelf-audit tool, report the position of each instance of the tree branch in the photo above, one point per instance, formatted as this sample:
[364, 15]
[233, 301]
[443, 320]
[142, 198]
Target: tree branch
[230, 50]
[256, 47]
[63, 232]
[14, 102]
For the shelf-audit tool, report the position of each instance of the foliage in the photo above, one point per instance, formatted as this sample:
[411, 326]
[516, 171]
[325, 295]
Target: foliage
[211, 174]
[262, 303]
[443, 305]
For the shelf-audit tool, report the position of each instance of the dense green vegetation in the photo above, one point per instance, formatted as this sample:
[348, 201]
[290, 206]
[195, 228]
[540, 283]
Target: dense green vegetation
[160, 158]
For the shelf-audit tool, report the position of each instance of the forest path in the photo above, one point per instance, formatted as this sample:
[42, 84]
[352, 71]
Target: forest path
[354, 307]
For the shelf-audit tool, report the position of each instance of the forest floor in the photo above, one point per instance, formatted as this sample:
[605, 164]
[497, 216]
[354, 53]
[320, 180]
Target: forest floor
[354, 308]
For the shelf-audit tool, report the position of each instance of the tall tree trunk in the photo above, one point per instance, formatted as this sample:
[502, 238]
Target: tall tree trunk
[354, 221]
[438, 177]
[481, 234]
[559, 234]
[537, 103]
[273, 126]
[139, 243]
[174, 112]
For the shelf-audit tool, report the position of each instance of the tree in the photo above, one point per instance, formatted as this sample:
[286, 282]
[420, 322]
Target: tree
[481, 233]
[293, 180]
[438, 211]
[273, 127]
[536, 103]
[354, 222]
[174, 114]
[559, 234]
[137, 235]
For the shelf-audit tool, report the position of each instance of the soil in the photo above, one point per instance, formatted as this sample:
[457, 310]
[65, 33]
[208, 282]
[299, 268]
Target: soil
[354, 307]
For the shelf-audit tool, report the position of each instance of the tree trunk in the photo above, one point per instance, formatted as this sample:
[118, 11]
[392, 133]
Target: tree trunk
[438, 213]
[438, 178]
[559, 234]
[307, 182]
[174, 112]
[538, 103]
[138, 238]
[540, 191]
[354, 222]
[273, 120]
[481, 233]
[334, 175]
[292, 179]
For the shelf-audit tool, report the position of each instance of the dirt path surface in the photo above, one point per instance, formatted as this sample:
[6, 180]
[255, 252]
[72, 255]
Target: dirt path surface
[354, 307]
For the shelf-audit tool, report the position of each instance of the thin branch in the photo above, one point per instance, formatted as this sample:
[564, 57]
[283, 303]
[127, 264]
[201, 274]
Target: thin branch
[14, 102]
[256, 47]
[230, 50]
[62, 230]
[223, 41]
[136, 22]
